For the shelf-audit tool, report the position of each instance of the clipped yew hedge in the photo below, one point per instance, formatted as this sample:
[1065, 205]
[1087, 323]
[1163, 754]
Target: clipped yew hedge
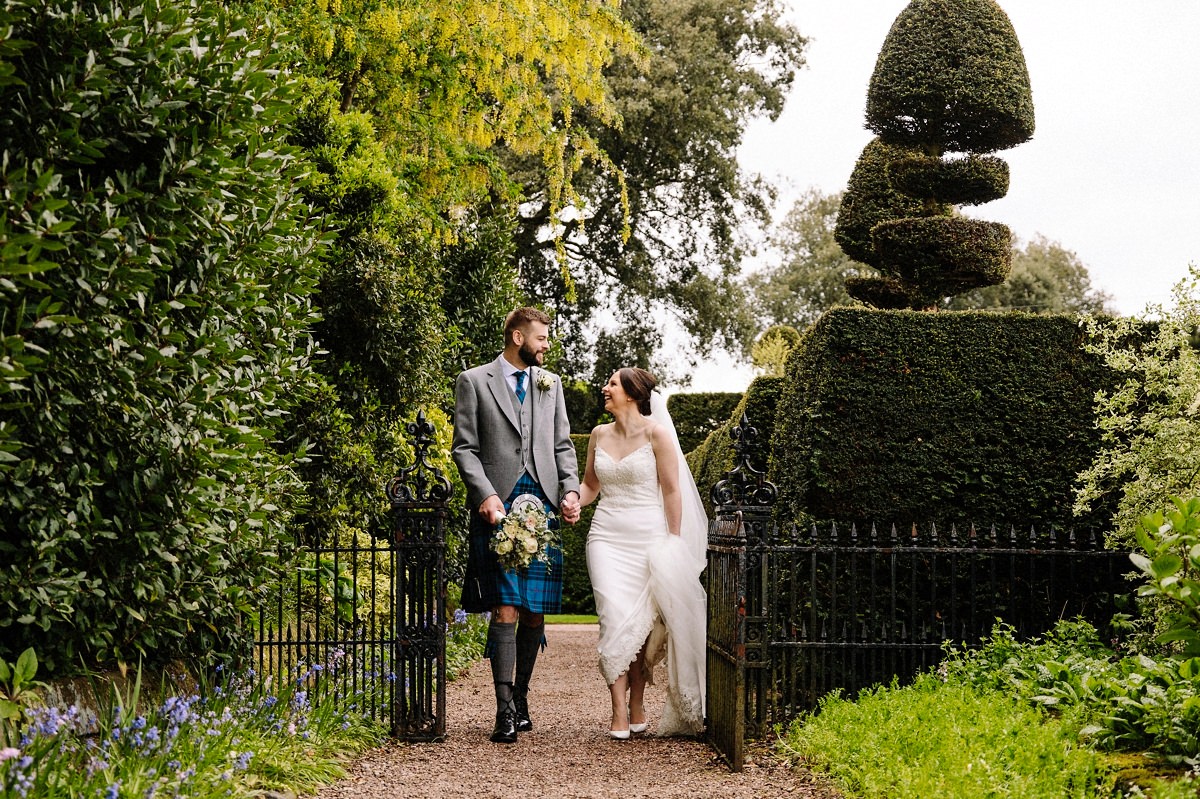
[951, 72]
[697, 415]
[902, 416]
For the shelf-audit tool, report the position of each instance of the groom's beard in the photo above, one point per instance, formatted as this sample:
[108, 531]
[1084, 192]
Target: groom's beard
[529, 357]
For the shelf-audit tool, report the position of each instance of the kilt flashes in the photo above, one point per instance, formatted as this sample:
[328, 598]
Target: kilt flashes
[538, 588]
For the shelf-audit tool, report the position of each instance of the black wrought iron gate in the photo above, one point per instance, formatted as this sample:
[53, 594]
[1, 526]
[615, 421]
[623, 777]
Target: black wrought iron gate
[738, 603]
[370, 610]
[419, 497]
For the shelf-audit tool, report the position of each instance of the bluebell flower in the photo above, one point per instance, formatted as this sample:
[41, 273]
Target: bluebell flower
[114, 791]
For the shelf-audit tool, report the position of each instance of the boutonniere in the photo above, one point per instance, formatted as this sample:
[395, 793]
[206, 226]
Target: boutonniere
[544, 382]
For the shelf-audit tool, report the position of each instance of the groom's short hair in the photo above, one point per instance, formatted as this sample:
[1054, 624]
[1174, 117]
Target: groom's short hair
[521, 317]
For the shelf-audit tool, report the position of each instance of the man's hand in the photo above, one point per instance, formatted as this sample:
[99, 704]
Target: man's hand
[570, 507]
[492, 510]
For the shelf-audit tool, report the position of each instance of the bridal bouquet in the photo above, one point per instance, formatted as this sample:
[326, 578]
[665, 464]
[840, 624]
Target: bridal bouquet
[523, 535]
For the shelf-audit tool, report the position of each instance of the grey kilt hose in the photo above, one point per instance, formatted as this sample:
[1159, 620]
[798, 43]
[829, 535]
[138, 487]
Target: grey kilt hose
[537, 588]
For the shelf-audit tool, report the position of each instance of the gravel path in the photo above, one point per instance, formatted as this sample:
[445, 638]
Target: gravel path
[568, 754]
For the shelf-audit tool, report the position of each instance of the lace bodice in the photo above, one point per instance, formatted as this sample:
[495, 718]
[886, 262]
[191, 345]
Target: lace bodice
[631, 481]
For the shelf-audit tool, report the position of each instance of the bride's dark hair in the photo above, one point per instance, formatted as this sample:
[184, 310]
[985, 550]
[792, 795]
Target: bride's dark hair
[638, 383]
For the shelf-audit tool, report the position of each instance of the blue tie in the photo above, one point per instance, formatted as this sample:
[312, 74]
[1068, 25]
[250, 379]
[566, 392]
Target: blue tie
[521, 387]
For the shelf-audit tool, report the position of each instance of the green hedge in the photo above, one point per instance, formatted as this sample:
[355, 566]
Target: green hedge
[577, 586]
[945, 255]
[715, 456]
[155, 299]
[697, 415]
[902, 416]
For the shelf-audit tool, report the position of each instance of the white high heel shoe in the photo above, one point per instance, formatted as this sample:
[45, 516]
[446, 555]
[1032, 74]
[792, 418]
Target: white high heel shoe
[636, 728]
[620, 735]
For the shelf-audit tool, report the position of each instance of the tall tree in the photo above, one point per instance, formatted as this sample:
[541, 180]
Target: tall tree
[661, 238]
[405, 104]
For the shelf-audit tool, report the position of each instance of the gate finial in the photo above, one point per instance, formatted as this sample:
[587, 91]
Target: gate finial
[743, 484]
[422, 483]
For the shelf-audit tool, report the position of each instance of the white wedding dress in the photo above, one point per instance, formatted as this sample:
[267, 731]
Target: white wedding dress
[646, 584]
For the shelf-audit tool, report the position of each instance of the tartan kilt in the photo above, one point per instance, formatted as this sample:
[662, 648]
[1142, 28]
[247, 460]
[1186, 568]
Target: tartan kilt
[537, 588]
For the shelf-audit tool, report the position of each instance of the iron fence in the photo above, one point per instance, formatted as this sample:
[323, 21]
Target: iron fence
[369, 611]
[796, 612]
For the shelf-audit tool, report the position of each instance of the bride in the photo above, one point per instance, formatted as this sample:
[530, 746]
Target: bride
[645, 551]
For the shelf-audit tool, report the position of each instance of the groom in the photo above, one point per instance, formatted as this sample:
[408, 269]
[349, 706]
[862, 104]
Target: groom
[512, 437]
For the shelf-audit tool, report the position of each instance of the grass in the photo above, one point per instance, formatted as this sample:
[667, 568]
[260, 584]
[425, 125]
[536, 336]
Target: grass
[950, 741]
[572, 618]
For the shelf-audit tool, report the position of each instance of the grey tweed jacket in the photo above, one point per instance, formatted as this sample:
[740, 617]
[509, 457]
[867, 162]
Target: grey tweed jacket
[487, 434]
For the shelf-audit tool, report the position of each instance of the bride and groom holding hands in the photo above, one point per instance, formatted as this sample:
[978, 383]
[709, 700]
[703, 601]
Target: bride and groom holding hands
[645, 547]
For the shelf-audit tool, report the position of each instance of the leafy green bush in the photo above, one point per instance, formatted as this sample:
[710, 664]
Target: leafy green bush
[155, 308]
[18, 692]
[1149, 442]
[1130, 703]
[1171, 566]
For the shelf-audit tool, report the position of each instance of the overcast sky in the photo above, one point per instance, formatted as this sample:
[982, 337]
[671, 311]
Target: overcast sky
[1112, 171]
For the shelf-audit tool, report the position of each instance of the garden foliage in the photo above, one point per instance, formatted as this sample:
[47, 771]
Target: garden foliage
[240, 736]
[1149, 420]
[157, 267]
[945, 740]
[896, 416]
